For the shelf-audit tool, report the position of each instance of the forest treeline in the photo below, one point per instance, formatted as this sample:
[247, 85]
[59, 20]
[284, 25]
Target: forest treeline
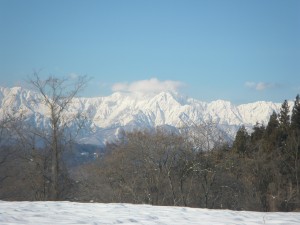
[259, 171]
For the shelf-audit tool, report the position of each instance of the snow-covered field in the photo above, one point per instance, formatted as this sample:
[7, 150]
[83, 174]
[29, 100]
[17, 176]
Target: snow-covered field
[97, 213]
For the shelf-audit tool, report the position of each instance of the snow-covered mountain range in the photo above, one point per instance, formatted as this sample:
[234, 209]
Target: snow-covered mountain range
[108, 116]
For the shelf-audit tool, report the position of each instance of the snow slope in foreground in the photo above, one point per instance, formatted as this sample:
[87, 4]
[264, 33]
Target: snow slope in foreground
[97, 213]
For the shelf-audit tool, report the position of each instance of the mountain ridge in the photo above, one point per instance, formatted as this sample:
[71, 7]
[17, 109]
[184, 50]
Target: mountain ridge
[119, 111]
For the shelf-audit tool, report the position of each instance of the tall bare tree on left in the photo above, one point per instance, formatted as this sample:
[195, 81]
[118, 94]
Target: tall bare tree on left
[56, 95]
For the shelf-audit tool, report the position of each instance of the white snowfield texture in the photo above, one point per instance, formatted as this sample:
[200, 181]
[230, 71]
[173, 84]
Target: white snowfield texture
[109, 115]
[97, 213]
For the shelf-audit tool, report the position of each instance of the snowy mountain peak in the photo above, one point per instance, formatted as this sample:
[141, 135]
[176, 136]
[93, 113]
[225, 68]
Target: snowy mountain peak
[128, 111]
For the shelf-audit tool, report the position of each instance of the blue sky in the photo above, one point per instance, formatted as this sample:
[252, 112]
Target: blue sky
[242, 51]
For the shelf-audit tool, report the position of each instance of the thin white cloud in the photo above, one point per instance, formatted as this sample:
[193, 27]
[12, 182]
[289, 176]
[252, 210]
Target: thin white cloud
[152, 85]
[73, 76]
[260, 86]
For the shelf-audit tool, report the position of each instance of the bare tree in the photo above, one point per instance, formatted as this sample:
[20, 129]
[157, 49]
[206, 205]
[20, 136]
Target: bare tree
[10, 121]
[205, 135]
[149, 167]
[56, 95]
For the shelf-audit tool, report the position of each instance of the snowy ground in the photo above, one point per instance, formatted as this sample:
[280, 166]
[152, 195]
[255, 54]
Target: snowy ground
[94, 213]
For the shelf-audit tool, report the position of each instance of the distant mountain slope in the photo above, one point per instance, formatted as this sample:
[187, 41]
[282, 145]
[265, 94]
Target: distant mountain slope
[126, 111]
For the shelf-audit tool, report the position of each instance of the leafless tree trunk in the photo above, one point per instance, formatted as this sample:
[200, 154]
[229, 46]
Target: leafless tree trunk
[56, 96]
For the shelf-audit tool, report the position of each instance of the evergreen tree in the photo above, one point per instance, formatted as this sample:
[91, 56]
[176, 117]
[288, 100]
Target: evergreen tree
[284, 117]
[273, 124]
[270, 138]
[295, 120]
[258, 131]
[256, 138]
[241, 140]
